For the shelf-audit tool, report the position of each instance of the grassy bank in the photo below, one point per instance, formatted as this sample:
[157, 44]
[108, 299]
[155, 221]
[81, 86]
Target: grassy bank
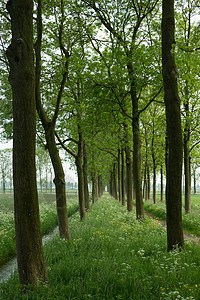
[191, 222]
[114, 256]
[48, 219]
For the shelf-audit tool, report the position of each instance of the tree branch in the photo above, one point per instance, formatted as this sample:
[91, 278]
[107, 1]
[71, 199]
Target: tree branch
[70, 140]
[40, 109]
[64, 147]
[194, 146]
[153, 99]
[65, 74]
[107, 151]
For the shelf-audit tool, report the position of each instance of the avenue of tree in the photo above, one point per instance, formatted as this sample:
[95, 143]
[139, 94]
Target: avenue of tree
[115, 85]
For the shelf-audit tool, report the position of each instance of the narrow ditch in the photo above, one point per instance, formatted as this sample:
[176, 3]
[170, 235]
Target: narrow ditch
[7, 270]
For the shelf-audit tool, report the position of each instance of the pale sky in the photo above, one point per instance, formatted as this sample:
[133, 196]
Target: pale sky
[66, 165]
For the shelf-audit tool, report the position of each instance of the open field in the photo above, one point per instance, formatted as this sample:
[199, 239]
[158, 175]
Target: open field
[114, 256]
[48, 219]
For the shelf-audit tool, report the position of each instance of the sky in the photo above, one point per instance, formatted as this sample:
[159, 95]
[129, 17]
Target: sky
[69, 172]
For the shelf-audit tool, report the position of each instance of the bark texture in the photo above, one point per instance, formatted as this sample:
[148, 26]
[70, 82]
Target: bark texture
[119, 176]
[174, 132]
[115, 180]
[59, 182]
[31, 264]
[187, 168]
[85, 175]
[123, 177]
[79, 165]
[94, 187]
[161, 184]
[129, 179]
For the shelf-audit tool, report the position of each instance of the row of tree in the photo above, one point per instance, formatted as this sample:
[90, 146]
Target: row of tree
[97, 74]
[44, 172]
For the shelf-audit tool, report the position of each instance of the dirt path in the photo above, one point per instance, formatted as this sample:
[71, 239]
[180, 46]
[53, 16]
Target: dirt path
[187, 236]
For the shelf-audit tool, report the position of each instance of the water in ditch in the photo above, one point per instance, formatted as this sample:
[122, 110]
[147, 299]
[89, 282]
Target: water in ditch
[7, 270]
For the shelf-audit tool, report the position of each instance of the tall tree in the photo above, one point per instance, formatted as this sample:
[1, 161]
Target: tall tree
[124, 21]
[50, 123]
[188, 60]
[30, 259]
[174, 132]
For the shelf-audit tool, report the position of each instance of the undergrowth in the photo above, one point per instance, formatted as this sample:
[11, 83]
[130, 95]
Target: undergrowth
[191, 221]
[48, 221]
[114, 256]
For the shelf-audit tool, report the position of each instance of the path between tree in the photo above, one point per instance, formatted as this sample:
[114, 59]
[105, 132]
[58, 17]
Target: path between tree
[187, 235]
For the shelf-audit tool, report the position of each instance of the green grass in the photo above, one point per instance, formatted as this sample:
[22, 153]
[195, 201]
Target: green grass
[113, 256]
[191, 221]
[48, 220]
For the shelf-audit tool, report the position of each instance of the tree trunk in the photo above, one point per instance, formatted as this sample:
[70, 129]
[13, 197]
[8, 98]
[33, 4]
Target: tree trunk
[137, 170]
[115, 181]
[99, 185]
[123, 177]
[166, 161]
[194, 179]
[133, 183]
[94, 187]
[59, 182]
[187, 163]
[148, 184]
[161, 184]
[154, 182]
[129, 179]
[174, 132]
[79, 165]
[144, 182]
[31, 263]
[136, 146]
[119, 176]
[111, 183]
[129, 176]
[147, 177]
[85, 174]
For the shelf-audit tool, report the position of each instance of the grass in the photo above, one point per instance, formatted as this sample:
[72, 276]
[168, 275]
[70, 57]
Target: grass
[48, 220]
[191, 221]
[113, 256]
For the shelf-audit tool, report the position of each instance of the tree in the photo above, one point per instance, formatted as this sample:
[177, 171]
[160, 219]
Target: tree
[153, 125]
[174, 132]
[43, 165]
[49, 124]
[85, 176]
[188, 61]
[30, 259]
[124, 21]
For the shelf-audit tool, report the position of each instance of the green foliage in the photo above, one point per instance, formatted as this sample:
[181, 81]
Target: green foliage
[107, 258]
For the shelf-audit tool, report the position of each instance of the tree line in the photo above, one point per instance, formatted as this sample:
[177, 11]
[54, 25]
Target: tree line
[103, 79]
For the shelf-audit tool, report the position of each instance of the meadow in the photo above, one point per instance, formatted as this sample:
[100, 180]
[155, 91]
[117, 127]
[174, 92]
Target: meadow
[191, 221]
[48, 219]
[114, 256]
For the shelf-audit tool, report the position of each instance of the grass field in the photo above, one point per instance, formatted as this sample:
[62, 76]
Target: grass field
[48, 219]
[191, 222]
[114, 256]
